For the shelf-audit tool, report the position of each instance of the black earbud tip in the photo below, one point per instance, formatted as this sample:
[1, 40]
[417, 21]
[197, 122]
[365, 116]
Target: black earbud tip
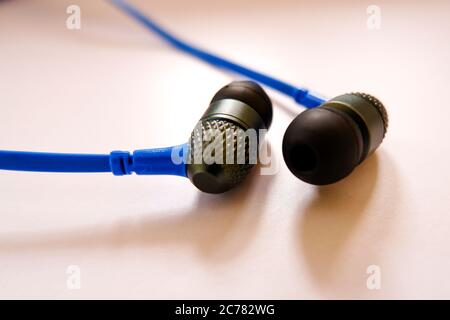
[322, 145]
[250, 93]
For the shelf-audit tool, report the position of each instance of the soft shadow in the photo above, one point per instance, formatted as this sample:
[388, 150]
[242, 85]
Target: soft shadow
[219, 227]
[330, 219]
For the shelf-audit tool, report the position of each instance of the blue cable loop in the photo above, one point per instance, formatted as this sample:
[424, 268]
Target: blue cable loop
[300, 95]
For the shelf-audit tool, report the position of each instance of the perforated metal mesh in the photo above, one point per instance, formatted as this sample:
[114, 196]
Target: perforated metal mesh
[224, 137]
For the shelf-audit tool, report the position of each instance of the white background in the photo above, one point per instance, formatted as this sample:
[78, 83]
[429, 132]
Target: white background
[111, 85]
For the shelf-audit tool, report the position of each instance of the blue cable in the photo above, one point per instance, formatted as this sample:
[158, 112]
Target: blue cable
[301, 95]
[53, 162]
[141, 162]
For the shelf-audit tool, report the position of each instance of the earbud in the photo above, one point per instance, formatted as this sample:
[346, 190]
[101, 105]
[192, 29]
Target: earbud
[235, 108]
[324, 144]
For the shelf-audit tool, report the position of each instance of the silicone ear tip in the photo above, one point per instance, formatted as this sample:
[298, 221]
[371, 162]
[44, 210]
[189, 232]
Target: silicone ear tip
[250, 93]
[322, 146]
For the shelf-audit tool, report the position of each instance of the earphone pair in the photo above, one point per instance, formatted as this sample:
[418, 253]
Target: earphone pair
[322, 145]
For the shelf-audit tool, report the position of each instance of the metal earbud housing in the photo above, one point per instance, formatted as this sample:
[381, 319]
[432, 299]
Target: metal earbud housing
[237, 107]
[324, 144]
